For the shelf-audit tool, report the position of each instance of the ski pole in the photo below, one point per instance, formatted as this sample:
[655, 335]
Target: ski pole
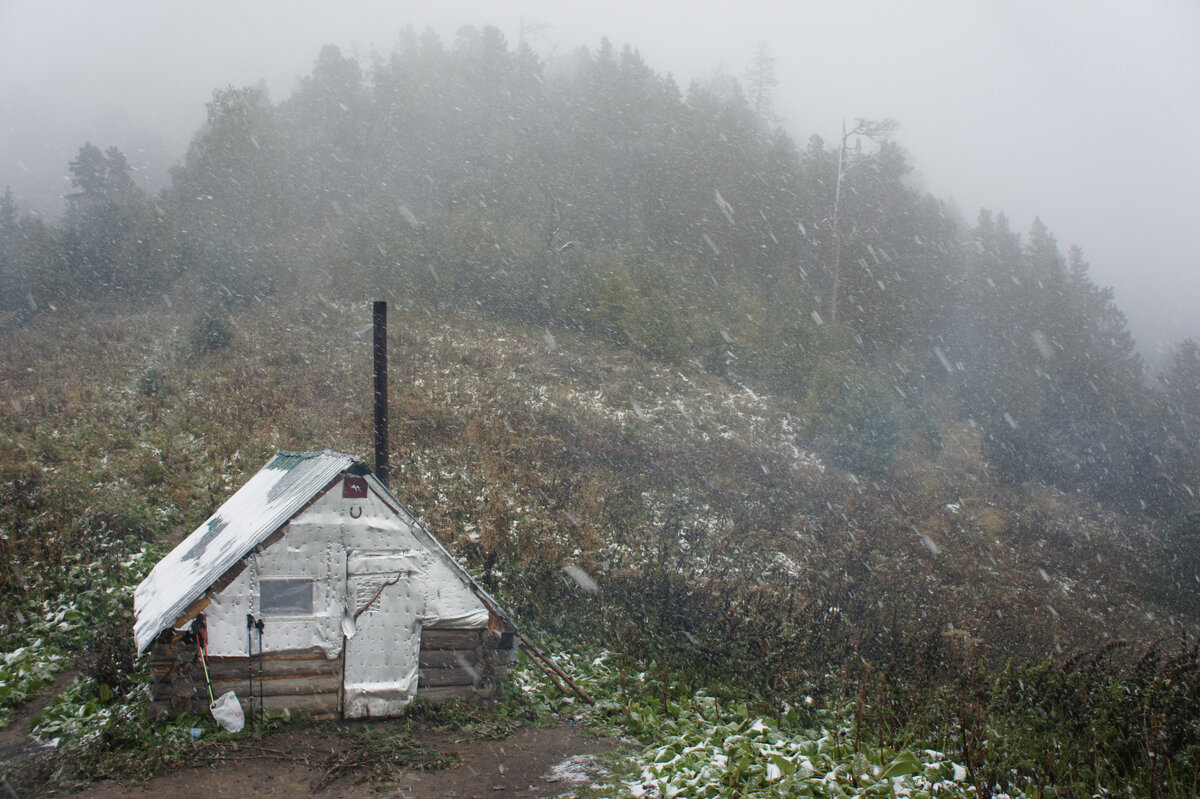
[202, 645]
[261, 705]
[250, 662]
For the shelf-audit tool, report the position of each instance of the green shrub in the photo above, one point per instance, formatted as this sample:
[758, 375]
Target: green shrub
[150, 384]
[213, 332]
[862, 429]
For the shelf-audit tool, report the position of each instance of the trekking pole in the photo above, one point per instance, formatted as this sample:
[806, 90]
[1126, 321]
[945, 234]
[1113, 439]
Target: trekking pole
[199, 631]
[250, 663]
[261, 705]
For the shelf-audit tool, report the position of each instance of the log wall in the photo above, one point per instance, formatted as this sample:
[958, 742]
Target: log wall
[453, 664]
[298, 681]
[463, 664]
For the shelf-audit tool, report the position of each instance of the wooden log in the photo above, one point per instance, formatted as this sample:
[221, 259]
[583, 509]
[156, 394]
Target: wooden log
[177, 654]
[445, 658]
[448, 693]
[311, 653]
[282, 686]
[175, 668]
[319, 705]
[485, 687]
[487, 656]
[449, 639]
[544, 662]
[300, 661]
[182, 688]
[482, 659]
[163, 685]
[274, 668]
[440, 678]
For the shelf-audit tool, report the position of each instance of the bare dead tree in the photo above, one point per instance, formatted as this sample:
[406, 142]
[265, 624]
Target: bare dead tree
[761, 81]
[847, 163]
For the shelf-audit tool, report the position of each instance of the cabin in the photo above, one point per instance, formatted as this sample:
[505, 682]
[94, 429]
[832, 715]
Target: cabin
[315, 589]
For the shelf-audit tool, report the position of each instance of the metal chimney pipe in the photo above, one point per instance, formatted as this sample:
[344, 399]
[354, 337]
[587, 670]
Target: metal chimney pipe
[379, 322]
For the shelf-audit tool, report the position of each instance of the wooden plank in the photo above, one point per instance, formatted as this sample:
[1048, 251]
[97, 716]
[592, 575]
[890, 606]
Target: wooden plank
[320, 705]
[440, 678]
[282, 686]
[448, 693]
[449, 639]
[234, 670]
[445, 658]
[311, 653]
[193, 610]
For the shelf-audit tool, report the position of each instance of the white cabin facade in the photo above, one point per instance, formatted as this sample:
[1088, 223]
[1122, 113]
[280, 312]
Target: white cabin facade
[361, 607]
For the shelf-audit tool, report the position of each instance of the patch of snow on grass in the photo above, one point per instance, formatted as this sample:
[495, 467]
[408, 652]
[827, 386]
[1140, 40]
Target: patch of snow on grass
[575, 770]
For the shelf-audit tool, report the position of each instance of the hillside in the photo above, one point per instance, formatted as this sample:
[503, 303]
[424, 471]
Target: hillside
[536, 450]
[719, 541]
[669, 392]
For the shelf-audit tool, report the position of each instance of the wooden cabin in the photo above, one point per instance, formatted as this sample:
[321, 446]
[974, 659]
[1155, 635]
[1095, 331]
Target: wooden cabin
[361, 608]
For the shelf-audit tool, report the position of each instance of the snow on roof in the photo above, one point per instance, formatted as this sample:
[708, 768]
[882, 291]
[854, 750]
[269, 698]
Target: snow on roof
[259, 508]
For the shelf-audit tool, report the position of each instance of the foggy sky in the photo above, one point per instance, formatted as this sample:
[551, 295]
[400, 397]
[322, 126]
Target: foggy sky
[1082, 112]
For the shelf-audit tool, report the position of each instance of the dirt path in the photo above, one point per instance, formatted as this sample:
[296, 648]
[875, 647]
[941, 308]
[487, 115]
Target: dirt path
[14, 739]
[533, 762]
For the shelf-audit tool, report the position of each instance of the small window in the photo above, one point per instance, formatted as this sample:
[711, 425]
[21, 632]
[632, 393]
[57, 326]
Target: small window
[286, 597]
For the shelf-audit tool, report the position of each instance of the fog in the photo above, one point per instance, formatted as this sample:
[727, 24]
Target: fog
[1077, 112]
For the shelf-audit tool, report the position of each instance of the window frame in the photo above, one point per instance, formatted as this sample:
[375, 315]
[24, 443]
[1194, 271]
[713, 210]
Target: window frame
[288, 608]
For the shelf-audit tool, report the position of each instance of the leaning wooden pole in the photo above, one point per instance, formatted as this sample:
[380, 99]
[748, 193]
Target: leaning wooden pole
[537, 655]
[547, 671]
[540, 658]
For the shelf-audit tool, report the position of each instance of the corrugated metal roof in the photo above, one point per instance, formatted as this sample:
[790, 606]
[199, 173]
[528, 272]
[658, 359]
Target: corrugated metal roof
[263, 505]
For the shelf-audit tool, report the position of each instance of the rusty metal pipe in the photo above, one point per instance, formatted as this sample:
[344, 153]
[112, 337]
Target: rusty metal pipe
[379, 323]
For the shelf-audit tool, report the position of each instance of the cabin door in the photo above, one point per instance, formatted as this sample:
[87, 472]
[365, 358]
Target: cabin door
[384, 605]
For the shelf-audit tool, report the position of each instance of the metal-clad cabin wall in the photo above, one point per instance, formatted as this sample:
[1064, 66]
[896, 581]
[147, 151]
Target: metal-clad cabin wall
[449, 603]
[380, 660]
[386, 579]
[310, 550]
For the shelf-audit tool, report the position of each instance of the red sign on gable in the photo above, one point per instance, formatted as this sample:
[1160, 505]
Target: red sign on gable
[354, 487]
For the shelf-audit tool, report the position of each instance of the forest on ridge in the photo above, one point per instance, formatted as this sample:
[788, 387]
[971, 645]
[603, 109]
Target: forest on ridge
[596, 195]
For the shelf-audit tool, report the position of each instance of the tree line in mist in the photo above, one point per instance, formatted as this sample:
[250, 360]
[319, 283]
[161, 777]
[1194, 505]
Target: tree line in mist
[595, 193]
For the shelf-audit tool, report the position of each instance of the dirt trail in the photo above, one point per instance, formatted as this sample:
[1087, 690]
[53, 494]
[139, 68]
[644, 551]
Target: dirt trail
[533, 762]
[14, 739]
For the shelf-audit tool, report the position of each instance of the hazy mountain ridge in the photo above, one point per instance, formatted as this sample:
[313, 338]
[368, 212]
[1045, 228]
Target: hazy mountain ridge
[595, 195]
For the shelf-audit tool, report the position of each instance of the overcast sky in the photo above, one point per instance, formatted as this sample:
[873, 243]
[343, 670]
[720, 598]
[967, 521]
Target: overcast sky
[1084, 113]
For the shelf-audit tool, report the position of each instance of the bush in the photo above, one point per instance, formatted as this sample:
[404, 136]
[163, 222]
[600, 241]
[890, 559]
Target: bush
[863, 426]
[213, 332]
[150, 384]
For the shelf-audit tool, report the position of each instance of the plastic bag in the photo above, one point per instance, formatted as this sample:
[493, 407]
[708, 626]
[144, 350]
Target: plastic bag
[228, 712]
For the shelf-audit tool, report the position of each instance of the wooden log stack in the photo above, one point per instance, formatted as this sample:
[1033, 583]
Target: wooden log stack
[453, 664]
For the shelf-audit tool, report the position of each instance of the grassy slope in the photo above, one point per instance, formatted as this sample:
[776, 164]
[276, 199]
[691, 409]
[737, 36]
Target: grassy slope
[543, 447]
